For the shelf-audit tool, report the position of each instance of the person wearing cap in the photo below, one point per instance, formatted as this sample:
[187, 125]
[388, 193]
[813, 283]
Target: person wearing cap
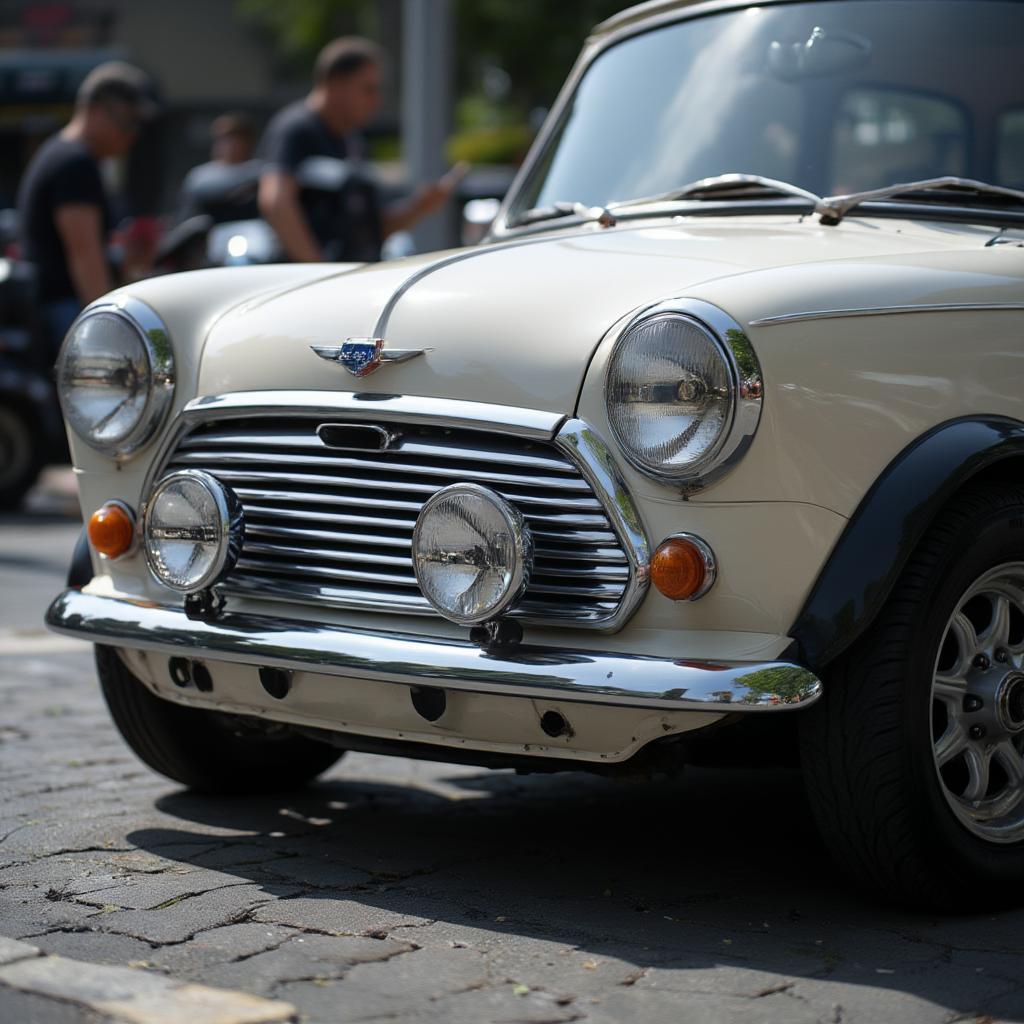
[63, 209]
[225, 187]
[346, 94]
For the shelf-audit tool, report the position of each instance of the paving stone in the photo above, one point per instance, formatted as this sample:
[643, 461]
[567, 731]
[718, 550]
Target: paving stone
[182, 919]
[336, 916]
[24, 1008]
[316, 958]
[12, 951]
[96, 947]
[137, 996]
[220, 945]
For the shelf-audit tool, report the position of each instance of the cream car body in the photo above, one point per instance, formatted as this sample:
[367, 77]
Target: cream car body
[873, 335]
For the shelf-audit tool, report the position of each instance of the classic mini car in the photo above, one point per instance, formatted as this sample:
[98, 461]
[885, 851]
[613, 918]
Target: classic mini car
[713, 447]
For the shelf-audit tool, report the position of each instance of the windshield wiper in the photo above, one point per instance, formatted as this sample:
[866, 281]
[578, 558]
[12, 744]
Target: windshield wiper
[724, 186]
[537, 214]
[832, 209]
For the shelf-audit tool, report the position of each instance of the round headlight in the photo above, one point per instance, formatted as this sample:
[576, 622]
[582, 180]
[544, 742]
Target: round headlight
[115, 376]
[472, 553]
[192, 530]
[679, 403]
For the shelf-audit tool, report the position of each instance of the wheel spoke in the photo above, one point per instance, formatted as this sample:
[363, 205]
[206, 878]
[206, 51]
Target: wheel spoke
[978, 769]
[1012, 764]
[950, 688]
[998, 631]
[966, 641]
[1016, 596]
[951, 743]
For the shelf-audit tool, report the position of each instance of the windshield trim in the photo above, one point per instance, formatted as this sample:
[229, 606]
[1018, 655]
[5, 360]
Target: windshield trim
[611, 33]
[994, 217]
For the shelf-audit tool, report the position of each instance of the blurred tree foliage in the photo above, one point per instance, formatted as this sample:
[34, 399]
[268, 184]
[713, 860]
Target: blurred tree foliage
[511, 56]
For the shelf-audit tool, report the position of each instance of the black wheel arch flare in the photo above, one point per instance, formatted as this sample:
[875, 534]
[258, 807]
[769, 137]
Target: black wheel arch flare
[889, 523]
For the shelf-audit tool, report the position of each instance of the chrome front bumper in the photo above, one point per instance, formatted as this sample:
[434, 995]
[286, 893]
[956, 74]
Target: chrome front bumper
[591, 677]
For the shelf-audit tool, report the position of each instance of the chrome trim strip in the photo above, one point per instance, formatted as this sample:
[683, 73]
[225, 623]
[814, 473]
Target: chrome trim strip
[934, 307]
[585, 447]
[504, 419]
[593, 677]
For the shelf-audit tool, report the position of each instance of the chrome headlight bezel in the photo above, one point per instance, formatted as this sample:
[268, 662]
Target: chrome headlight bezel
[746, 387]
[520, 566]
[229, 525]
[156, 346]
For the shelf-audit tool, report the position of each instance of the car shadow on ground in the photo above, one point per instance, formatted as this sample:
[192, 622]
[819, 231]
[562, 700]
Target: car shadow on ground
[720, 869]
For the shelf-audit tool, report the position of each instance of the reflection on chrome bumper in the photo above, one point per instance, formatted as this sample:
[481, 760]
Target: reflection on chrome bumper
[593, 677]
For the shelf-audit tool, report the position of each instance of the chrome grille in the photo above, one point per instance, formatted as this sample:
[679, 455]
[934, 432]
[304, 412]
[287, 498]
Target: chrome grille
[336, 526]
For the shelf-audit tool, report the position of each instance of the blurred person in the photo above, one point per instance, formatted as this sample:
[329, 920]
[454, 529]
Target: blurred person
[63, 208]
[347, 93]
[233, 138]
[225, 187]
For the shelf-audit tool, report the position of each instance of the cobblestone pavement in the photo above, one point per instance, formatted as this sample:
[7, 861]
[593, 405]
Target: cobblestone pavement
[397, 891]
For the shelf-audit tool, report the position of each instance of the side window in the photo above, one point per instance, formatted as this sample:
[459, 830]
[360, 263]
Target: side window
[884, 136]
[1010, 150]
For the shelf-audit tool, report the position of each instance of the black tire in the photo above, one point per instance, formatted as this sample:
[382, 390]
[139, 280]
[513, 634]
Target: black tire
[21, 456]
[867, 745]
[204, 750]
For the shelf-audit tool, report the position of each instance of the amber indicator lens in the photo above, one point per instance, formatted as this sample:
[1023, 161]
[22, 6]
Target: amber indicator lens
[680, 569]
[111, 529]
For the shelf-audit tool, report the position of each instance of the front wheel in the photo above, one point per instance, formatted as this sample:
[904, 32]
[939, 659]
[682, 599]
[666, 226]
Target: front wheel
[914, 756]
[206, 750]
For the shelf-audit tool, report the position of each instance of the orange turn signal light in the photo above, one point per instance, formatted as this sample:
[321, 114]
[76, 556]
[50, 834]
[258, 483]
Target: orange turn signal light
[683, 567]
[111, 529]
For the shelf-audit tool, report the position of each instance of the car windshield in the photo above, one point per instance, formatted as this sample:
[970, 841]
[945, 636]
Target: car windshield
[833, 97]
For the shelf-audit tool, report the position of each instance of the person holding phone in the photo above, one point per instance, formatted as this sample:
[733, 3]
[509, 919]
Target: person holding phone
[348, 221]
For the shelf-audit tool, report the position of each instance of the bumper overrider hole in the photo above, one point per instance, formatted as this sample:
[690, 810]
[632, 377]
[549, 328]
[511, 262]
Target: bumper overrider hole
[180, 671]
[276, 681]
[202, 678]
[430, 702]
[555, 724]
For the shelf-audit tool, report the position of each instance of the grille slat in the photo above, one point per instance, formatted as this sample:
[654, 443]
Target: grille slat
[341, 487]
[298, 463]
[332, 526]
[449, 452]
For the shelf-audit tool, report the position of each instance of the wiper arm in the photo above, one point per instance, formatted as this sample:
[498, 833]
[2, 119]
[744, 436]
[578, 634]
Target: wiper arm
[724, 186]
[563, 209]
[832, 209]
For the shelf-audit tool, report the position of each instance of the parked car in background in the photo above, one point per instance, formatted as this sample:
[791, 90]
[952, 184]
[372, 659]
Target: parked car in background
[713, 449]
[31, 431]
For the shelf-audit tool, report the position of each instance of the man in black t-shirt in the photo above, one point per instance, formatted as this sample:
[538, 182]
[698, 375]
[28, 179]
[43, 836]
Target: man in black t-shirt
[311, 223]
[63, 209]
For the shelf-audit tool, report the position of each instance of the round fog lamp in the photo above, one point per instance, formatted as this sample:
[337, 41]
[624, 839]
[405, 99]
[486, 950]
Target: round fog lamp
[472, 553]
[192, 530]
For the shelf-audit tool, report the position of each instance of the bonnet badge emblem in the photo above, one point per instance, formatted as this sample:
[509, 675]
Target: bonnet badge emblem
[361, 356]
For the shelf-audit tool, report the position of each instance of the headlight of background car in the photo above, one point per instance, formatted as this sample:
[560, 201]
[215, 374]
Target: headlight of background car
[115, 376]
[683, 399]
